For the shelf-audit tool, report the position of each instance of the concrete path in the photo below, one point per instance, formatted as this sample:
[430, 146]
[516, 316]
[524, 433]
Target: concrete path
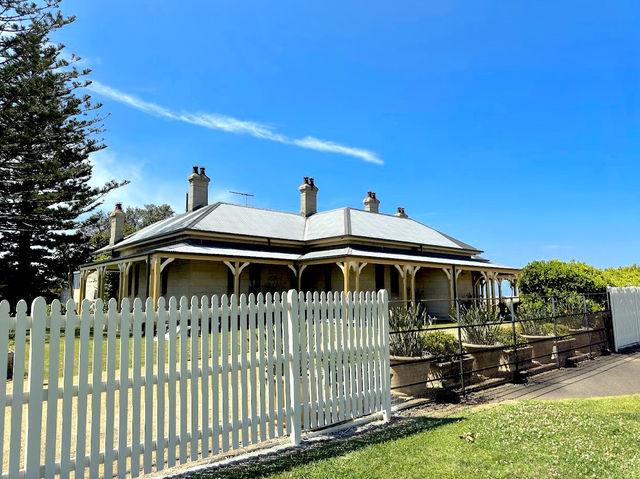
[613, 375]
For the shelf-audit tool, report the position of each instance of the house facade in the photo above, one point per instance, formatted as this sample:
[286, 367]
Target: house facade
[224, 248]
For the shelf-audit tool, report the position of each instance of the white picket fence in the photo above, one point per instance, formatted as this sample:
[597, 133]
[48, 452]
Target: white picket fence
[142, 390]
[625, 313]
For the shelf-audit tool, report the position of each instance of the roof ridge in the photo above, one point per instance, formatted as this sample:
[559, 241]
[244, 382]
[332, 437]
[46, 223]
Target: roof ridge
[203, 212]
[347, 221]
[258, 208]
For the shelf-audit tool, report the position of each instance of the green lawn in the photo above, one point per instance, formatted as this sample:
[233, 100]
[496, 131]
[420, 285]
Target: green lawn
[592, 438]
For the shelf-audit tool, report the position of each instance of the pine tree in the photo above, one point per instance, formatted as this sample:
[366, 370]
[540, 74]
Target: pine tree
[47, 132]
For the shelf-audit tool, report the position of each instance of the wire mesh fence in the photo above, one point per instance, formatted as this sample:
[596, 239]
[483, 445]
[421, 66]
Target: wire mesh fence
[482, 342]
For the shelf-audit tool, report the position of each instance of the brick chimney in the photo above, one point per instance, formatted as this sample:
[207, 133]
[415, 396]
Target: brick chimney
[117, 225]
[198, 189]
[400, 213]
[371, 203]
[308, 197]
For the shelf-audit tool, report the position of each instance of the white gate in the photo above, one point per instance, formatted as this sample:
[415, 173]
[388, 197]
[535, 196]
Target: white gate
[625, 311]
[124, 392]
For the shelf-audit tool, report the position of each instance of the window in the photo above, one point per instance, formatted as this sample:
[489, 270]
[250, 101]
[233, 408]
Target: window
[395, 280]
[327, 277]
[379, 277]
[254, 278]
[230, 282]
[136, 281]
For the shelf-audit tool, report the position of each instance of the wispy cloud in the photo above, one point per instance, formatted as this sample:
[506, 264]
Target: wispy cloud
[557, 246]
[233, 125]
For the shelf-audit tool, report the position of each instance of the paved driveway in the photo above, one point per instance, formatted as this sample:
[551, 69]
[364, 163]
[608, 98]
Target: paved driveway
[605, 376]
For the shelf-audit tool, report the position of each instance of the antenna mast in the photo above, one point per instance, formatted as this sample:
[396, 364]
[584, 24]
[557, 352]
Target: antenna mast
[246, 196]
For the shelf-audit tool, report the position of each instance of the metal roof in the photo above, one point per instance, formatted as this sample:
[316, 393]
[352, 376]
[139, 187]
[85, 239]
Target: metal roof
[186, 248]
[358, 253]
[233, 219]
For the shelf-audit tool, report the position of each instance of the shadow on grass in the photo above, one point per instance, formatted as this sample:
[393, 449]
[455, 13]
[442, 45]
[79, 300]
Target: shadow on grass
[328, 449]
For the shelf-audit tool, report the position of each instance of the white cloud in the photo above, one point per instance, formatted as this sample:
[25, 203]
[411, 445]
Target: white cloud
[234, 125]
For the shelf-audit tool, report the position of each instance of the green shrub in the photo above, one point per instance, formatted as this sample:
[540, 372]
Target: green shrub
[505, 336]
[407, 341]
[480, 325]
[440, 343]
[546, 278]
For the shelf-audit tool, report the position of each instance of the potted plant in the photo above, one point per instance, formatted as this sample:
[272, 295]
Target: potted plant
[516, 350]
[407, 347]
[480, 327]
[444, 349]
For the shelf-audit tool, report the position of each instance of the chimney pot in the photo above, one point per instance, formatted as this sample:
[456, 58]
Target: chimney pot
[195, 170]
[202, 170]
[401, 213]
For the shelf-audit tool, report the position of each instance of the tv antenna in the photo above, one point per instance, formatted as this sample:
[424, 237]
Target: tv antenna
[246, 196]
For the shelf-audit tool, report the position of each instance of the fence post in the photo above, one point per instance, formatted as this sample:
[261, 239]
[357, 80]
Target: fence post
[383, 297]
[516, 374]
[586, 323]
[293, 326]
[555, 329]
[460, 357]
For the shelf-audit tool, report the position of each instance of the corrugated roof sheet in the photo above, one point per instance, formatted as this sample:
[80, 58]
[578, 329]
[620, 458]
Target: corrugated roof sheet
[186, 248]
[248, 221]
[342, 252]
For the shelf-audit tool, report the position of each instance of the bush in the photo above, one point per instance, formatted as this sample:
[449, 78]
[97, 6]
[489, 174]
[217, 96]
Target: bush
[408, 341]
[546, 278]
[480, 325]
[440, 343]
[505, 336]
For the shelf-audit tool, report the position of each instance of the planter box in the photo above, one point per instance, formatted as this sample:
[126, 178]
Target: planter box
[404, 376]
[566, 349]
[447, 374]
[525, 361]
[583, 337]
[542, 348]
[486, 358]
[10, 364]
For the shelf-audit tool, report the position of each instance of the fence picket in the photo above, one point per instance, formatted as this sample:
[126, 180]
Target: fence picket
[215, 374]
[36, 378]
[235, 406]
[340, 356]
[4, 359]
[149, 324]
[205, 325]
[161, 330]
[123, 405]
[261, 366]
[83, 386]
[53, 382]
[253, 366]
[137, 387]
[172, 331]
[195, 333]
[317, 356]
[184, 355]
[96, 391]
[225, 325]
[18, 388]
[112, 325]
[311, 370]
[346, 360]
[270, 386]
[244, 386]
[277, 327]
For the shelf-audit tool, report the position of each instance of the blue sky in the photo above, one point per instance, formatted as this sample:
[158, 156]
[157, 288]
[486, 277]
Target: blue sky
[513, 126]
